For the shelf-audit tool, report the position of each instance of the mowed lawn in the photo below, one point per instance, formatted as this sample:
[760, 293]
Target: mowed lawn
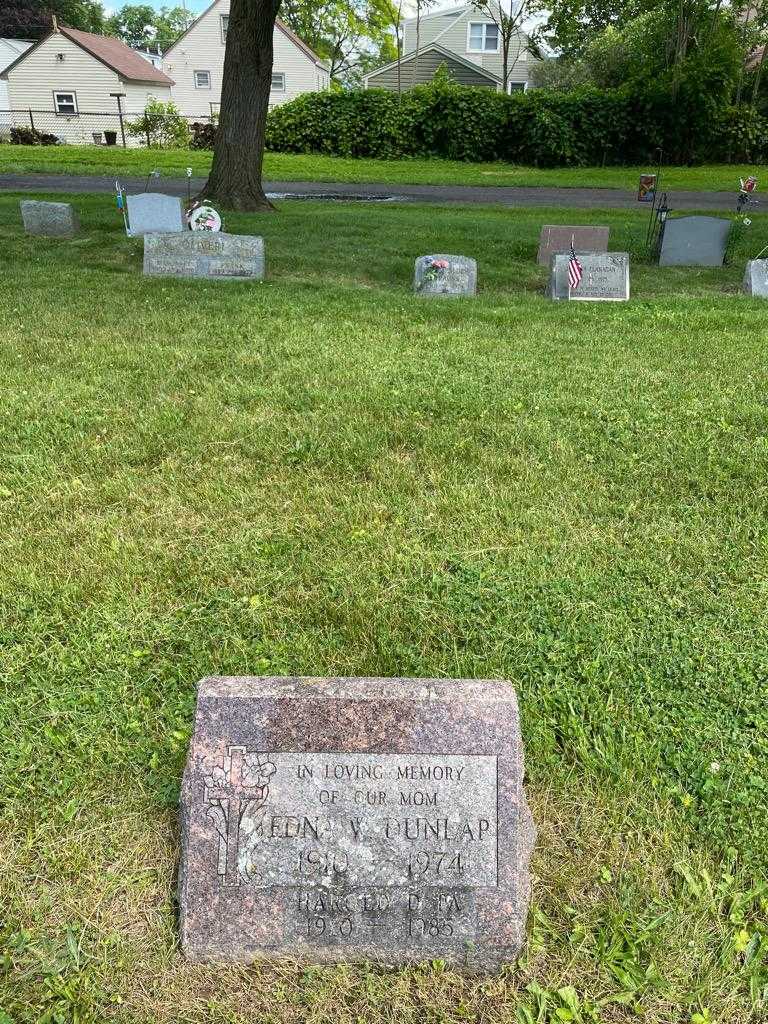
[323, 474]
[313, 167]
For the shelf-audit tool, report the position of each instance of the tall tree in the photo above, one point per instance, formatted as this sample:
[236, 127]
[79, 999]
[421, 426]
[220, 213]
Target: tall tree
[141, 25]
[421, 6]
[238, 152]
[340, 31]
[31, 19]
[509, 22]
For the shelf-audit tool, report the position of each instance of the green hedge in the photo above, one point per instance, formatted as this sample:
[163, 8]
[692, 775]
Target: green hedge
[542, 129]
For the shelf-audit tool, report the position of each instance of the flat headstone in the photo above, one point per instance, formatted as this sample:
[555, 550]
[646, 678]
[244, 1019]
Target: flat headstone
[694, 241]
[605, 277]
[53, 220]
[214, 255]
[154, 211]
[334, 820]
[756, 279]
[432, 277]
[557, 238]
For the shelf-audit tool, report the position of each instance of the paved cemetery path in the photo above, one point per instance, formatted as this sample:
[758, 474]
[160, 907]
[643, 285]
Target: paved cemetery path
[583, 198]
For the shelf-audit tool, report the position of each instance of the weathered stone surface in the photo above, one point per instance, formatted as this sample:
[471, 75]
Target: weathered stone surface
[154, 211]
[53, 220]
[205, 254]
[605, 277]
[694, 241]
[355, 819]
[557, 238]
[756, 279]
[458, 278]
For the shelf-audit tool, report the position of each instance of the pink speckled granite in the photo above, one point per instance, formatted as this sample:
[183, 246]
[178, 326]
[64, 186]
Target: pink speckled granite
[355, 819]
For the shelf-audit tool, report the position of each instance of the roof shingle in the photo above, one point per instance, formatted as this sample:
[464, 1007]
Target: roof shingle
[116, 55]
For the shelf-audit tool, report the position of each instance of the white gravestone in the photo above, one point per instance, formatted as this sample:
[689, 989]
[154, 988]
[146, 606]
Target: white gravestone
[444, 275]
[605, 277]
[51, 220]
[204, 254]
[756, 279]
[153, 211]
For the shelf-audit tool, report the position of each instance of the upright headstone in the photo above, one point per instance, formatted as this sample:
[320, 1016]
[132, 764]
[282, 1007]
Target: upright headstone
[52, 220]
[605, 277]
[214, 255]
[154, 211]
[694, 241]
[756, 279]
[557, 238]
[444, 275]
[355, 819]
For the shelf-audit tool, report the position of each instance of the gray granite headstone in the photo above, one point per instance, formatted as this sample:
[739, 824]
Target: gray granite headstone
[214, 255]
[557, 238]
[431, 277]
[605, 277]
[756, 279]
[333, 820]
[694, 241]
[54, 220]
[153, 211]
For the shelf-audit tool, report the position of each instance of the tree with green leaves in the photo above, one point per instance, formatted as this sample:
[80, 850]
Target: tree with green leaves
[509, 19]
[32, 19]
[238, 150]
[343, 32]
[141, 25]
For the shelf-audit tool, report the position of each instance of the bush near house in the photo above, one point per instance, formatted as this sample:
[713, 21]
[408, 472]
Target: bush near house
[545, 129]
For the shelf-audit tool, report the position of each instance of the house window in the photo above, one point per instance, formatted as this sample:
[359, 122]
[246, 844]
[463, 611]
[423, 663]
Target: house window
[202, 79]
[483, 37]
[278, 81]
[224, 20]
[215, 109]
[65, 102]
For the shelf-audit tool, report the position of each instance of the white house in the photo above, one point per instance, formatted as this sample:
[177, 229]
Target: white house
[463, 39]
[196, 60]
[72, 80]
[10, 49]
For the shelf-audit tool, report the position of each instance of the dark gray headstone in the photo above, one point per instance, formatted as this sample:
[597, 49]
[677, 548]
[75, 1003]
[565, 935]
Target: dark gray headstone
[756, 279]
[53, 220]
[153, 211]
[694, 241]
[557, 238]
[213, 255]
[433, 277]
[336, 820]
[605, 277]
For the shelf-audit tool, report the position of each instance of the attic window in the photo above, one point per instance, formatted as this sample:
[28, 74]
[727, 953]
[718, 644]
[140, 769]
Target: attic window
[202, 79]
[483, 37]
[278, 81]
[224, 20]
[65, 102]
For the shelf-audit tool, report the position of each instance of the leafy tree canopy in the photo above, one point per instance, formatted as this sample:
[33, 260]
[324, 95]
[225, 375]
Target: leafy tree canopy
[31, 19]
[141, 25]
[349, 34]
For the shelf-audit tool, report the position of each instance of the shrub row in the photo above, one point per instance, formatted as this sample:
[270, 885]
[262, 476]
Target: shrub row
[543, 129]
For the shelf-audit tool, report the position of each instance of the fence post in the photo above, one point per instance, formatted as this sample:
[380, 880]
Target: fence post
[118, 96]
[31, 120]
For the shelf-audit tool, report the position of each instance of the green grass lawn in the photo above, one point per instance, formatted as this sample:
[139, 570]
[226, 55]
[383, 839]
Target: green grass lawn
[323, 474]
[299, 167]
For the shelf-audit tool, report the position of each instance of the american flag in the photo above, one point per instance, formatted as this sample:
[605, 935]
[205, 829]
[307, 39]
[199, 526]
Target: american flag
[574, 270]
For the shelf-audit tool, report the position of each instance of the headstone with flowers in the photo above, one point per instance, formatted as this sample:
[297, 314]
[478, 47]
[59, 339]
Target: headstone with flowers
[444, 275]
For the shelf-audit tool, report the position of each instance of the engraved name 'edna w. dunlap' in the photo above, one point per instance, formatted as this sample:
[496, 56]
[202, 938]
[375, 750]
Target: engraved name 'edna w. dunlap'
[354, 819]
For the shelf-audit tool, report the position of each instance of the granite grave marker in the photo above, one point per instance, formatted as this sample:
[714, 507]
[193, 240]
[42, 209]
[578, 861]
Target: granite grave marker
[605, 277]
[557, 238]
[756, 279]
[336, 820]
[154, 211]
[213, 255]
[444, 275]
[694, 241]
[52, 220]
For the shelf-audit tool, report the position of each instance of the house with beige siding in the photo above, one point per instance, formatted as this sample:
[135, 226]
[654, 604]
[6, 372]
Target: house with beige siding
[69, 84]
[465, 41]
[195, 62]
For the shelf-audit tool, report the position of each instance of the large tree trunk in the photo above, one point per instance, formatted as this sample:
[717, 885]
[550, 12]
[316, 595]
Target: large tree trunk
[238, 152]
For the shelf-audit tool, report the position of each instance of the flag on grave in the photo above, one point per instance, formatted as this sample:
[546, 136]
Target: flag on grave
[574, 269]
